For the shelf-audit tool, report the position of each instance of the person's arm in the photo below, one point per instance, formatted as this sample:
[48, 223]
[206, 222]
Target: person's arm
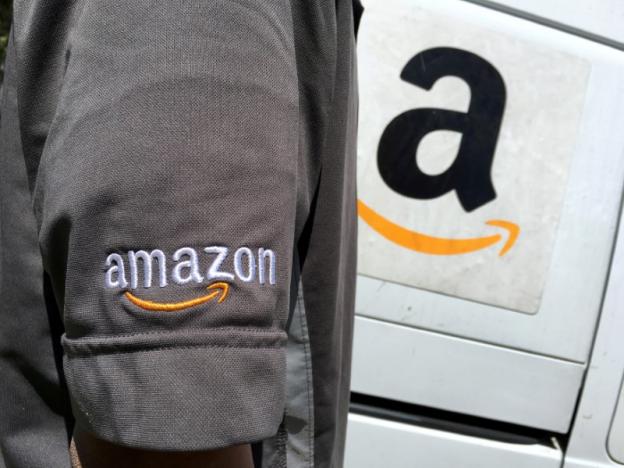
[87, 451]
[165, 199]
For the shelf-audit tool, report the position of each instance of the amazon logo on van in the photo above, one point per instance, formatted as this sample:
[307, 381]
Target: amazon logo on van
[469, 176]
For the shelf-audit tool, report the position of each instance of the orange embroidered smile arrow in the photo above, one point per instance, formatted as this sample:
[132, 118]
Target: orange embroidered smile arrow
[218, 287]
[436, 245]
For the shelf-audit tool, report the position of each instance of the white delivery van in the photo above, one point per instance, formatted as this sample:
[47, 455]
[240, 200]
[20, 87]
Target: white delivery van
[490, 305]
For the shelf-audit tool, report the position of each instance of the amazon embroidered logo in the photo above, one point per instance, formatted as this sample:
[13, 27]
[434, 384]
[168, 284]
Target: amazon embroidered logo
[220, 288]
[184, 267]
[470, 173]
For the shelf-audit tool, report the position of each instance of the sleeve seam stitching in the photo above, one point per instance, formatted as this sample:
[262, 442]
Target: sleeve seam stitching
[85, 353]
[256, 330]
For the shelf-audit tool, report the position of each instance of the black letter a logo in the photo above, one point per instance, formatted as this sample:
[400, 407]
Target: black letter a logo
[469, 175]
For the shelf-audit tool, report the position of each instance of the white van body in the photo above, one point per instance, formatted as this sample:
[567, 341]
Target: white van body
[519, 354]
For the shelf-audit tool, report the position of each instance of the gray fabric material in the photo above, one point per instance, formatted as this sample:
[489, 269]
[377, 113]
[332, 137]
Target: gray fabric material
[33, 407]
[325, 46]
[158, 385]
[299, 411]
[157, 125]
[329, 264]
[232, 396]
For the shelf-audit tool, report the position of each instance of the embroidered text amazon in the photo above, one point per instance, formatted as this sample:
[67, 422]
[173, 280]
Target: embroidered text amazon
[247, 266]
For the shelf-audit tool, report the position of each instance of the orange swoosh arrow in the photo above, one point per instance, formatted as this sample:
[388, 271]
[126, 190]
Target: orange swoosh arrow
[219, 288]
[436, 245]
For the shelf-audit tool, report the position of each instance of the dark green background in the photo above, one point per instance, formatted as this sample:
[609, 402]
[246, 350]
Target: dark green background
[5, 22]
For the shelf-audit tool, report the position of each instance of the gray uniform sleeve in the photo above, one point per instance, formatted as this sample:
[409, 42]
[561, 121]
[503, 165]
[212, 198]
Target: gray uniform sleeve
[165, 200]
